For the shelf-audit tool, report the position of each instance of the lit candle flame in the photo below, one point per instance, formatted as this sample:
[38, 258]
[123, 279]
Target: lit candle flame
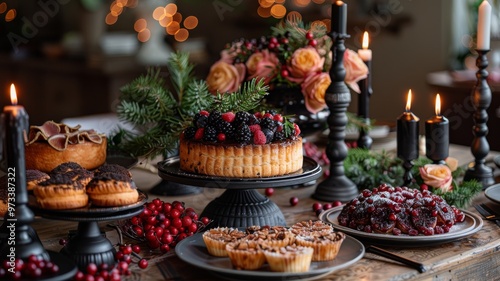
[339, 3]
[366, 40]
[408, 101]
[438, 105]
[13, 95]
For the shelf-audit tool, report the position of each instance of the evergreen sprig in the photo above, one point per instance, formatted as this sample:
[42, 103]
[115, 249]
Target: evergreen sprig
[247, 98]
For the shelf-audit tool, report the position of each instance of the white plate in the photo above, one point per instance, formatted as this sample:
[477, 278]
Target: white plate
[193, 251]
[469, 226]
[493, 193]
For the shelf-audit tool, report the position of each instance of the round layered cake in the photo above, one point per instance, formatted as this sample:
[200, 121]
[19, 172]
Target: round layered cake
[53, 143]
[241, 145]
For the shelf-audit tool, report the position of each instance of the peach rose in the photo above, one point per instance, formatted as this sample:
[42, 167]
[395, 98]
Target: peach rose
[355, 69]
[313, 89]
[437, 176]
[262, 65]
[452, 163]
[303, 62]
[224, 77]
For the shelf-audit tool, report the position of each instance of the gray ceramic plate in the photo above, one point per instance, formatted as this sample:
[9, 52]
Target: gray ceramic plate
[471, 225]
[493, 193]
[193, 251]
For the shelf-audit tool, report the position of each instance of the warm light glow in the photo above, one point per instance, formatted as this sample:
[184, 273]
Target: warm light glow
[294, 17]
[110, 19]
[158, 13]
[3, 7]
[408, 101]
[140, 25]
[13, 95]
[177, 17]
[144, 35]
[191, 22]
[278, 11]
[181, 35]
[438, 105]
[11, 15]
[339, 3]
[173, 27]
[165, 21]
[171, 9]
[266, 3]
[366, 40]
[263, 12]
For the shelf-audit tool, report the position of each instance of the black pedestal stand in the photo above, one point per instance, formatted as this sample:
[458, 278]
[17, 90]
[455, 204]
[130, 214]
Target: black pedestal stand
[337, 186]
[481, 99]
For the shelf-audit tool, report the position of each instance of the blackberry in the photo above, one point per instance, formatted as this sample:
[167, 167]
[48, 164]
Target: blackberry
[241, 117]
[268, 123]
[214, 117]
[243, 135]
[210, 134]
[200, 121]
[279, 136]
[252, 120]
[272, 111]
[226, 128]
[269, 135]
[189, 133]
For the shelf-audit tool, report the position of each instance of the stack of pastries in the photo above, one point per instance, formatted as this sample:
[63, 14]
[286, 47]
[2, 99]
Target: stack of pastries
[285, 249]
[70, 186]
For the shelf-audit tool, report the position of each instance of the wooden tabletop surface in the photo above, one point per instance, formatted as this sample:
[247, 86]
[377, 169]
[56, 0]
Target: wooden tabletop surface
[476, 257]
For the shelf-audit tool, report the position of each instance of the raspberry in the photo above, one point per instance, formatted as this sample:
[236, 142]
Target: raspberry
[259, 137]
[254, 128]
[199, 134]
[258, 114]
[204, 113]
[278, 118]
[297, 129]
[228, 116]
[268, 115]
[221, 137]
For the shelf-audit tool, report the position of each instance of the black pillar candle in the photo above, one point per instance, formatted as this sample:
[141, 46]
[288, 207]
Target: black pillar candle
[407, 133]
[339, 17]
[437, 139]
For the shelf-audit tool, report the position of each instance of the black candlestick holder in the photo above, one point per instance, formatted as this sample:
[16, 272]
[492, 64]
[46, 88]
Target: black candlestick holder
[337, 187]
[364, 140]
[481, 99]
[407, 176]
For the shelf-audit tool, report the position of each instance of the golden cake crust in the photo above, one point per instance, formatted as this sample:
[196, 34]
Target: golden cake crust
[41, 156]
[274, 159]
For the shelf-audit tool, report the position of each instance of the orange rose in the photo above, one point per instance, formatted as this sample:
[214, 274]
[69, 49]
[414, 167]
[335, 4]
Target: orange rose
[262, 65]
[224, 77]
[304, 61]
[437, 176]
[355, 69]
[313, 89]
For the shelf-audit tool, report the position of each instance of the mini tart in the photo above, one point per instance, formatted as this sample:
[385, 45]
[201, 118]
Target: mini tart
[109, 190]
[60, 192]
[247, 161]
[310, 226]
[326, 245]
[246, 255]
[41, 156]
[34, 177]
[275, 236]
[217, 238]
[291, 258]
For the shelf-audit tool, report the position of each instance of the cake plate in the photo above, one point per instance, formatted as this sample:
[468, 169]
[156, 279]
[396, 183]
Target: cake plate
[88, 245]
[241, 205]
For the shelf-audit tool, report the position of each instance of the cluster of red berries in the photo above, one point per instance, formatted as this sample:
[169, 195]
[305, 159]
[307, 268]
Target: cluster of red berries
[32, 268]
[318, 207]
[162, 224]
[319, 155]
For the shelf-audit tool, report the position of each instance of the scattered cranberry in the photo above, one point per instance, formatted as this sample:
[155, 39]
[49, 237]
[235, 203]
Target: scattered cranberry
[294, 201]
[424, 187]
[336, 203]
[269, 191]
[327, 206]
[143, 263]
[63, 241]
[317, 206]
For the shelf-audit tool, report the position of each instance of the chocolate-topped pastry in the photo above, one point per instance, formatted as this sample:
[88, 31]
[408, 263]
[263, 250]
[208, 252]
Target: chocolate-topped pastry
[61, 191]
[75, 171]
[34, 177]
[113, 168]
[112, 189]
[66, 167]
[3, 195]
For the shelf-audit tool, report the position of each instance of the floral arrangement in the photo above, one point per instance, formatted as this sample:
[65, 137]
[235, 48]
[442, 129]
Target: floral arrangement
[293, 55]
[368, 169]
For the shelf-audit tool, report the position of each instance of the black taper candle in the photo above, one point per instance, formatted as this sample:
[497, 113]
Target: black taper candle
[339, 17]
[407, 139]
[437, 138]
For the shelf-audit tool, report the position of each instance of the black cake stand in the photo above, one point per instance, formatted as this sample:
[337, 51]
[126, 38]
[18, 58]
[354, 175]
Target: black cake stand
[241, 205]
[89, 245]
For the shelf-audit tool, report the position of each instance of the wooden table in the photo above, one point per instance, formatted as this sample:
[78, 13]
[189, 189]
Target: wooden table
[473, 258]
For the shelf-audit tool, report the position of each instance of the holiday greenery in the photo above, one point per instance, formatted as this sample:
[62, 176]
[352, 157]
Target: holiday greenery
[367, 169]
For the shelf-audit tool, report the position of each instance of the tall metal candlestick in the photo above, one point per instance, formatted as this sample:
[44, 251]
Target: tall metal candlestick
[481, 99]
[437, 137]
[16, 123]
[365, 87]
[337, 186]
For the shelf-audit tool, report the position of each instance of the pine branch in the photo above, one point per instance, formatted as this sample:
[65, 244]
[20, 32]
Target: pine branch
[196, 98]
[247, 98]
[181, 72]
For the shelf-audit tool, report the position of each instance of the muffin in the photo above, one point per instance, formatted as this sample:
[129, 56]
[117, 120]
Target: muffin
[60, 192]
[291, 258]
[245, 254]
[326, 245]
[217, 238]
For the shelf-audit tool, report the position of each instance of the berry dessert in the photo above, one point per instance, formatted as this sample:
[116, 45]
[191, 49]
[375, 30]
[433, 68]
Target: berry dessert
[399, 210]
[241, 144]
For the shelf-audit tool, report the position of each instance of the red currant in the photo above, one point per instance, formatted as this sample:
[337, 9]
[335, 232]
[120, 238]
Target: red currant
[309, 35]
[336, 203]
[269, 191]
[294, 201]
[143, 263]
[316, 206]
